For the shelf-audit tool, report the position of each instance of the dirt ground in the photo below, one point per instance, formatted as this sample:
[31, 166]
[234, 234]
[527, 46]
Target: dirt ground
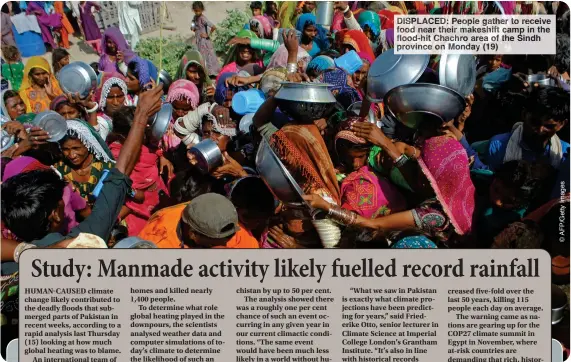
[181, 15]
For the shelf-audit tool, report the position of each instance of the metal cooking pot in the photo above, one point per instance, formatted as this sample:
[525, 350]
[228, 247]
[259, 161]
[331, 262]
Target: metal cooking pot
[542, 80]
[77, 77]
[134, 242]
[412, 104]
[558, 304]
[305, 92]
[305, 101]
[208, 155]
[458, 72]
[391, 70]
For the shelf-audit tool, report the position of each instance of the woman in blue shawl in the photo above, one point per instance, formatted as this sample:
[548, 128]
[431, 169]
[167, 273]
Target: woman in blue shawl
[313, 37]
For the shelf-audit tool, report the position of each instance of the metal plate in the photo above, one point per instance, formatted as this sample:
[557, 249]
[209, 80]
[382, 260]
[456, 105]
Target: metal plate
[77, 77]
[161, 121]
[165, 79]
[305, 92]
[277, 177]
[411, 103]
[458, 72]
[391, 70]
[53, 123]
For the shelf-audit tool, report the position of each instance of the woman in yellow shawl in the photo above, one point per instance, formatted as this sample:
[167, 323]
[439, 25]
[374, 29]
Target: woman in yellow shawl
[39, 86]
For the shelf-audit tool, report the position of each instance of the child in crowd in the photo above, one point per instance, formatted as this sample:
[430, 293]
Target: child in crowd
[13, 68]
[203, 28]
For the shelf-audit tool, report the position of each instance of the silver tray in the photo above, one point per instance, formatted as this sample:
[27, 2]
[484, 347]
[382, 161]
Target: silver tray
[458, 72]
[305, 92]
[77, 77]
[412, 103]
[391, 70]
[53, 123]
[161, 121]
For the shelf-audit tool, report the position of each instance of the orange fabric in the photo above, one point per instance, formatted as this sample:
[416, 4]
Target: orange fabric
[66, 28]
[161, 229]
[359, 41]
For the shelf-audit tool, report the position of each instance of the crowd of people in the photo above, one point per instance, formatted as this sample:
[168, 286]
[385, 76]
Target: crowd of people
[496, 176]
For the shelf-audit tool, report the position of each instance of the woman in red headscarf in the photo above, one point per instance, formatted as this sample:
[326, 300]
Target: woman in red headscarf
[357, 40]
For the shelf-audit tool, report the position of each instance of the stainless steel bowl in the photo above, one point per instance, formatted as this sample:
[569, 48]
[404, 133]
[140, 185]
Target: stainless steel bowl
[277, 177]
[6, 140]
[412, 104]
[355, 109]
[134, 242]
[77, 77]
[391, 70]
[161, 121]
[208, 155]
[165, 79]
[558, 304]
[458, 72]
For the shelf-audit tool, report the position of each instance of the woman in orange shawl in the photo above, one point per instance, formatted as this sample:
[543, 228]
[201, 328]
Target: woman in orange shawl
[66, 27]
[358, 41]
[39, 86]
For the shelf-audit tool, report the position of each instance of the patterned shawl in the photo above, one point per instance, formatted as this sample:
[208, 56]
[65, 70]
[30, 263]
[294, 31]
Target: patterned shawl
[445, 164]
[107, 82]
[358, 41]
[90, 139]
[183, 89]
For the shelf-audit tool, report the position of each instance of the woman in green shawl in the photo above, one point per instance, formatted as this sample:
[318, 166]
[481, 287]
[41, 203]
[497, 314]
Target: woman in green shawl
[193, 68]
[85, 158]
[241, 55]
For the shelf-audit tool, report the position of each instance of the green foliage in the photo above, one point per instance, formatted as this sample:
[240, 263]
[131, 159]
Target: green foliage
[174, 48]
[227, 29]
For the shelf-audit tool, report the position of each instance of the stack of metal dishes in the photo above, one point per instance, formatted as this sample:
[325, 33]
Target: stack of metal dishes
[305, 101]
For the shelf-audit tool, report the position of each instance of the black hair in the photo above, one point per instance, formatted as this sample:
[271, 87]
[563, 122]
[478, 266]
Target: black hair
[57, 55]
[549, 103]
[123, 120]
[525, 179]
[256, 5]
[198, 5]
[29, 199]
[188, 185]
[3, 163]
[132, 67]
[562, 53]
[252, 194]
[9, 94]
[95, 67]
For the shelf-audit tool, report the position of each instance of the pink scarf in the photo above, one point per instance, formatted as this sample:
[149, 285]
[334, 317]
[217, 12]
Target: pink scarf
[145, 175]
[369, 195]
[445, 164]
[182, 89]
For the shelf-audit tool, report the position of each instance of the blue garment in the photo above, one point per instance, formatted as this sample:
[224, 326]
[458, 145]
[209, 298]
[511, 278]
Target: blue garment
[321, 63]
[499, 145]
[320, 42]
[494, 80]
[222, 89]
[415, 242]
[477, 165]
